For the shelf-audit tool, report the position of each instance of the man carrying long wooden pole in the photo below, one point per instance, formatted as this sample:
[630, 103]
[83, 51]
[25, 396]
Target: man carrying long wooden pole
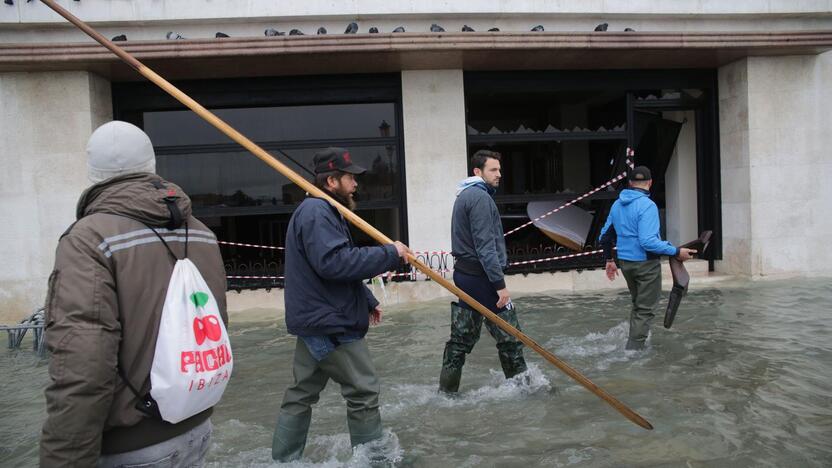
[329, 308]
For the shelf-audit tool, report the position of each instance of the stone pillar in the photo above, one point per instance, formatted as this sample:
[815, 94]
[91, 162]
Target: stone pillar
[734, 162]
[433, 105]
[45, 121]
[775, 132]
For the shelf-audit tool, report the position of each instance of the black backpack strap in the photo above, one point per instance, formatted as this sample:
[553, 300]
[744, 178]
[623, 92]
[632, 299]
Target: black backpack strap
[166, 244]
[176, 217]
[146, 403]
[170, 251]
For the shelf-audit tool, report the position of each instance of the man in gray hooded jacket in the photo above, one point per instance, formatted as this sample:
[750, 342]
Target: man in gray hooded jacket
[479, 251]
[104, 306]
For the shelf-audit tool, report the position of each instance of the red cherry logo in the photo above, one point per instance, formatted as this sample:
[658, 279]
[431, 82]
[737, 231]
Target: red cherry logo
[213, 330]
[207, 327]
[199, 331]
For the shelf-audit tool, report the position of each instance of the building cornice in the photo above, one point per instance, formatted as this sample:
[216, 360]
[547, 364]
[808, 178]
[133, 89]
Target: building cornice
[361, 53]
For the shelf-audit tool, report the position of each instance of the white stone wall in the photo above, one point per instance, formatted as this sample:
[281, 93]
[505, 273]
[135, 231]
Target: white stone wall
[45, 121]
[775, 135]
[151, 19]
[433, 108]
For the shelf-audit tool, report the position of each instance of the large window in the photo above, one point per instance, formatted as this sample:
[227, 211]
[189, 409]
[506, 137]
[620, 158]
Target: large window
[242, 199]
[563, 134]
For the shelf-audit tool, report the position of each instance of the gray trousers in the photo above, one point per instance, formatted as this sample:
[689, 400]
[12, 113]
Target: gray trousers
[644, 279]
[183, 451]
[352, 367]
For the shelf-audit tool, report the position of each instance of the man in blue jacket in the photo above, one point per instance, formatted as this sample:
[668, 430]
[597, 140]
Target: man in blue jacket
[479, 251]
[329, 308]
[633, 226]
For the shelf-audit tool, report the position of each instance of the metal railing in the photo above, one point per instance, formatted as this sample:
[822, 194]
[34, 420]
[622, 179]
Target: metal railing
[34, 322]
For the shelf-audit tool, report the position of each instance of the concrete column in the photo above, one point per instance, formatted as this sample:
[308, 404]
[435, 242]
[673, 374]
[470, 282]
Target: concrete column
[774, 134]
[680, 182]
[45, 121]
[735, 171]
[433, 105]
[790, 134]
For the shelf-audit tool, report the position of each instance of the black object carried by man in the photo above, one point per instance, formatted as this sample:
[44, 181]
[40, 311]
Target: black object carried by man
[681, 278]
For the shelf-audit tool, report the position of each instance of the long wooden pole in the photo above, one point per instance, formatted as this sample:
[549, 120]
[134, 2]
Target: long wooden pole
[349, 215]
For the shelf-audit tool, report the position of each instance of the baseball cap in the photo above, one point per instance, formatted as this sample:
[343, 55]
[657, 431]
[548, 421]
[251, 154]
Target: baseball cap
[639, 174]
[335, 159]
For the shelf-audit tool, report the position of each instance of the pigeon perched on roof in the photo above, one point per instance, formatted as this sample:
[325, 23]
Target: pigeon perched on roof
[436, 28]
[173, 36]
[321, 30]
[271, 32]
[601, 27]
[221, 35]
[119, 38]
[374, 30]
[296, 32]
[494, 30]
[9, 2]
[629, 30]
[466, 28]
[352, 28]
[399, 29]
[538, 28]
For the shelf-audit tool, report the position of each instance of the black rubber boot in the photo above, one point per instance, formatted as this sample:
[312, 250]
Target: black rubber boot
[449, 379]
[512, 361]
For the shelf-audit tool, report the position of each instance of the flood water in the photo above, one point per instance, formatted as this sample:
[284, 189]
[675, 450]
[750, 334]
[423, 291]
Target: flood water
[744, 378]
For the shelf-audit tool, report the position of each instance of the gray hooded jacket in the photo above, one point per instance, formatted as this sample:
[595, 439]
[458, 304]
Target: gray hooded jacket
[477, 241]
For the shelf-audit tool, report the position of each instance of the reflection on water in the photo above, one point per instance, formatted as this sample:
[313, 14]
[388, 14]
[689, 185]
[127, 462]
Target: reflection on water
[742, 379]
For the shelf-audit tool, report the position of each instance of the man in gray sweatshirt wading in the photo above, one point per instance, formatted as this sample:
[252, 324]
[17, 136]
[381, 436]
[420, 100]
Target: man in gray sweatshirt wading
[479, 251]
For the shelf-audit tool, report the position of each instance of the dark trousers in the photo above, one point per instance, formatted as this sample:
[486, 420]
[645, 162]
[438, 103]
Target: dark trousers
[644, 279]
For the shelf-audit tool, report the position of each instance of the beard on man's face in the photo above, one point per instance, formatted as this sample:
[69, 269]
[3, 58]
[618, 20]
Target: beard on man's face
[344, 197]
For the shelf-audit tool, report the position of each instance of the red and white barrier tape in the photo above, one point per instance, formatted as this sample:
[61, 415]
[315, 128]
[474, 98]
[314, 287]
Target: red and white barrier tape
[415, 272]
[256, 277]
[559, 257]
[384, 275]
[240, 244]
[576, 200]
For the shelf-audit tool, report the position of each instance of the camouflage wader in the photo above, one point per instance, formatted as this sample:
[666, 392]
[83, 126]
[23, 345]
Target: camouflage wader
[645, 282]
[466, 325]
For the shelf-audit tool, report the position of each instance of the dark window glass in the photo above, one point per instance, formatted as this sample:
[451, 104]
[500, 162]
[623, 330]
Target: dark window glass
[263, 124]
[518, 113]
[237, 183]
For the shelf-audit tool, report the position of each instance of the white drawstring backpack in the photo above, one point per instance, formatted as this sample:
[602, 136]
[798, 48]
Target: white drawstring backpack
[193, 361]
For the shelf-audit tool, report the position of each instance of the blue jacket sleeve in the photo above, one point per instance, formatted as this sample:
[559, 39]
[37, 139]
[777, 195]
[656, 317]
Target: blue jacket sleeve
[330, 254]
[484, 242]
[648, 232]
[608, 237]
